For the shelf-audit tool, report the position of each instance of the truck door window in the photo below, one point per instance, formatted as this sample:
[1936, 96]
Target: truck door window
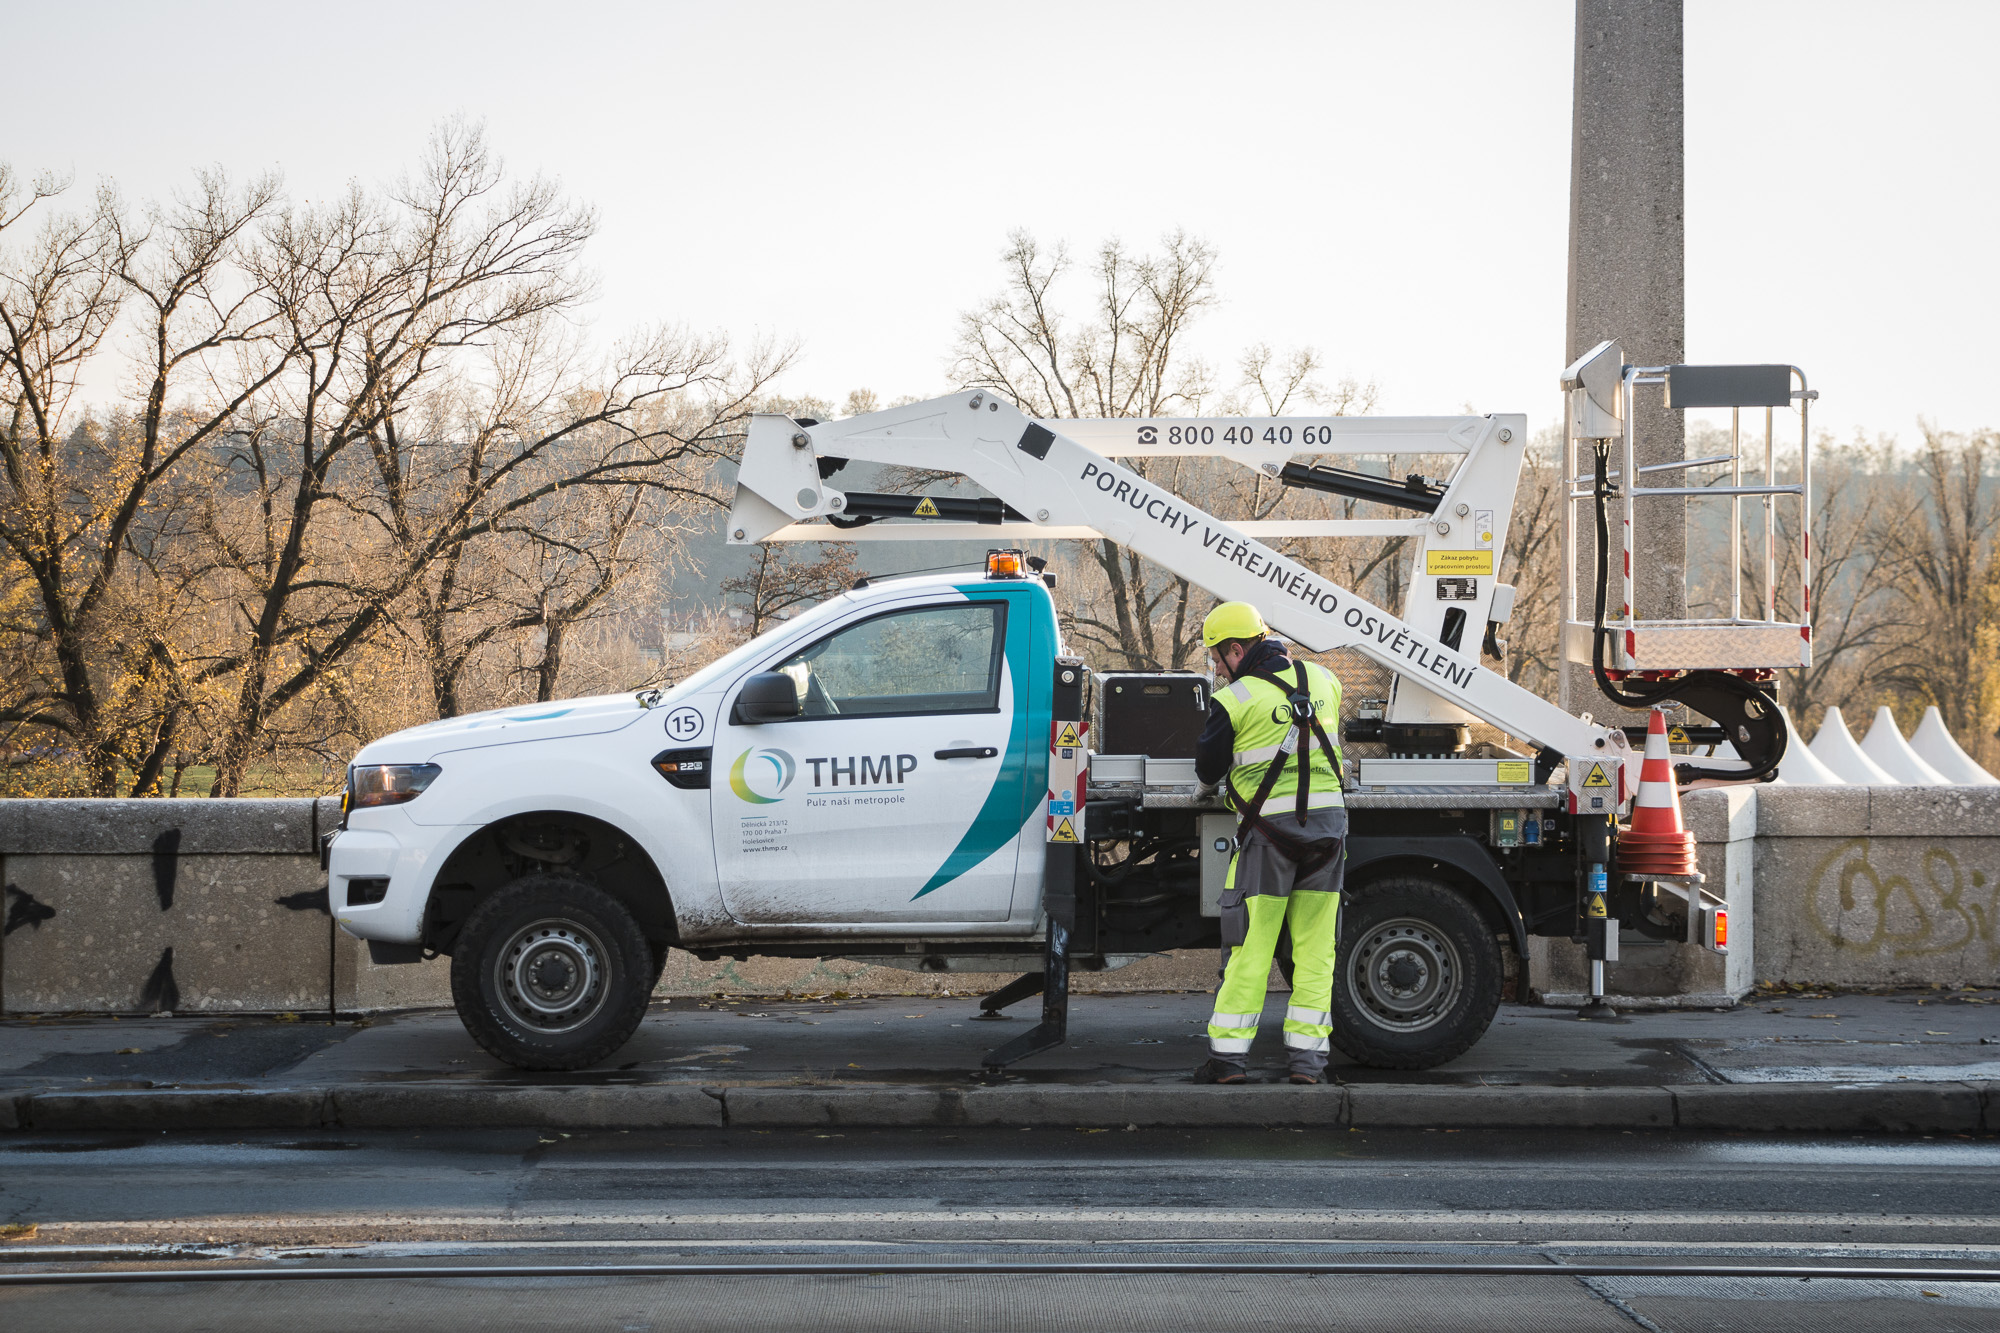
[937, 659]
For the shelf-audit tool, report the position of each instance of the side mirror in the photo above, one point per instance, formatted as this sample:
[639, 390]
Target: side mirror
[768, 696]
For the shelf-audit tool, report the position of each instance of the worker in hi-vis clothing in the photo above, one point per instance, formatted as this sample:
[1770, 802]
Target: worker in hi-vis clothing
[1269, 742]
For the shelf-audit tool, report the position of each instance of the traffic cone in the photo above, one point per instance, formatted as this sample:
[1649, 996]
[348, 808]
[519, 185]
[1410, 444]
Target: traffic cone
[1657, 842]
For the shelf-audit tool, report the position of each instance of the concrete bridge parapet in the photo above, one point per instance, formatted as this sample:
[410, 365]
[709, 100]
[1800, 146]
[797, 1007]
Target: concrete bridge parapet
[220, 906]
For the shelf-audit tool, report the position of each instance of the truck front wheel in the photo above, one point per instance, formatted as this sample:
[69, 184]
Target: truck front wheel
[1417, 977]
[551, 972]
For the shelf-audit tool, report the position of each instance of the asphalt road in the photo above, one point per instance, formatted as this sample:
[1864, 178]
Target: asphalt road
[882, 1197]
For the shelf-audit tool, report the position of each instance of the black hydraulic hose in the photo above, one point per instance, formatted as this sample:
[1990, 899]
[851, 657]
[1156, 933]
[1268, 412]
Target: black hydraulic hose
[1630, 1268]
[1114, 875]
[1611, 689]
[1707, 682]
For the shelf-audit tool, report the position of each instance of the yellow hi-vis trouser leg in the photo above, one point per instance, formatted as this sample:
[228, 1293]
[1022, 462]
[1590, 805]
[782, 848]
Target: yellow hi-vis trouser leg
[1239, 1003]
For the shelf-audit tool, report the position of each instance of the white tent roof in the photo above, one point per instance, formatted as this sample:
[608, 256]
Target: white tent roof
[1886, 746]
[1836, 748]
[1800, 766]
[1934, 745]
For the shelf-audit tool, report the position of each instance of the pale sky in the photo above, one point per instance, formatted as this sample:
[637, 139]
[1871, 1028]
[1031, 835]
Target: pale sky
[1386, 183]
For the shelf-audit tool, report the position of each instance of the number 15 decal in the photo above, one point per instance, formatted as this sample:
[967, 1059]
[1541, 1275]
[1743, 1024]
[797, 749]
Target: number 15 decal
[684, 724]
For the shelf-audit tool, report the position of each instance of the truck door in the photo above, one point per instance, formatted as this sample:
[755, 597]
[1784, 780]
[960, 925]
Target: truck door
[901, 793]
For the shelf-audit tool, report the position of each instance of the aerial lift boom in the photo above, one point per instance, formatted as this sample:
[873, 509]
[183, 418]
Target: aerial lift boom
[1060, 479]
[1061, 488]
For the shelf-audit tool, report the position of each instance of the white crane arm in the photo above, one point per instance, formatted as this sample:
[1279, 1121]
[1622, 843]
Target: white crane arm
[1059, 484]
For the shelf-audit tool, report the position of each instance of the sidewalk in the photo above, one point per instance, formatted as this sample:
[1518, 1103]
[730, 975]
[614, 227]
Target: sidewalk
[1911, 1062]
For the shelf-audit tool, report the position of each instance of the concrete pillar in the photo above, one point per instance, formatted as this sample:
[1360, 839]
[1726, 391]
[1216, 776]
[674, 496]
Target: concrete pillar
[1626, 278]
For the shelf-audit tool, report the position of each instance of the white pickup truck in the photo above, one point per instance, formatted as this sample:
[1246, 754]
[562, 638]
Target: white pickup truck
[868, 779]
[868, 782]
[871, 783]
[900, 775]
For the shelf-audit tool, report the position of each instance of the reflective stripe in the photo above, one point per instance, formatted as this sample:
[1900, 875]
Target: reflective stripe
[1298, 1042]
[1259, 715]
[1256, 756]
[1229, 1045]
[1294, 1014]
[1234, 1021]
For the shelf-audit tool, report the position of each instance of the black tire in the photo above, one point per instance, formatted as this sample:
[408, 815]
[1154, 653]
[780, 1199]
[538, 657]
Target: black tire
[1417, 977]
[551, 972]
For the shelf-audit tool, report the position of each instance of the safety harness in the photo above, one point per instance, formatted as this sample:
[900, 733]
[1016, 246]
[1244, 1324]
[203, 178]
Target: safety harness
[1305, 729]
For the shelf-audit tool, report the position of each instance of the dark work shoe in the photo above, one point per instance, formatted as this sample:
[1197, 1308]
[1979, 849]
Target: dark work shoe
[1307, 1079]
[1218, 1071]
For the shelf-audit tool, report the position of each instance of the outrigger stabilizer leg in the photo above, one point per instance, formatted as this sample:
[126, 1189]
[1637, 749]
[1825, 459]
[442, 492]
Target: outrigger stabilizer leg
[1065, 850]
[1600, 927]
[1023, 987]
[1053, 1030]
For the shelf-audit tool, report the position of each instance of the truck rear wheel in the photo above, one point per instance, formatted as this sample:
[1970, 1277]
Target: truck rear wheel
[551, 972]
[1417, 978]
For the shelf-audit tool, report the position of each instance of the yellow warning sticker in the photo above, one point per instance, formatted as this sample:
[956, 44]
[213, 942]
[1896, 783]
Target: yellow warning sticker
[1596, 778]
[1597, 912]
[1675, 736]
[1514, 770]
[1068, 736]
[925, 508]
[1458, 562]
[1064, 832]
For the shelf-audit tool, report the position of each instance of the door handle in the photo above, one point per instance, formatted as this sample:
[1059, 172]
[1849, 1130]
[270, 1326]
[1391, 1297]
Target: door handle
[969, 752]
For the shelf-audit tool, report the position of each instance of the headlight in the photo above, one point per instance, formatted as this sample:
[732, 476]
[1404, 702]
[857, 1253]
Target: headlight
[387, 784]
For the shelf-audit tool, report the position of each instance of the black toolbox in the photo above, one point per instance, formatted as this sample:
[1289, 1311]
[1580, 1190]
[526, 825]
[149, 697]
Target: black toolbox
[1155, 713]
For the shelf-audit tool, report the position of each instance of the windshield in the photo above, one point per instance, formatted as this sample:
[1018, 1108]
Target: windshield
[722, 668]
[931, 659]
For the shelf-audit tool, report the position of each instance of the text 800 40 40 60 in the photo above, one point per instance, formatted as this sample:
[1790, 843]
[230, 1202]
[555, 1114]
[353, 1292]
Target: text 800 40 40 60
[1193, 435]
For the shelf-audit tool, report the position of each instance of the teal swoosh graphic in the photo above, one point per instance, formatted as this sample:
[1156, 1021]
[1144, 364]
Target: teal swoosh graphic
[1001, 815]
[519, 717]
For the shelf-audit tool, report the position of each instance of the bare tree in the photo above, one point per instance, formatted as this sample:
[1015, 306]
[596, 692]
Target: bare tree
[1124, 357]
[363, 484]
[370, 414]
[783, 578]
[544, 568]
[75, 497]
[583, 554]
[1858, 622]
[1124, 353]
[1946, 577]
[1532, 563]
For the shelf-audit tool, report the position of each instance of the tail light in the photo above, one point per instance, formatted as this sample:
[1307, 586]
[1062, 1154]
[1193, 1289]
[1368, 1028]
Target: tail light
[1716, 928]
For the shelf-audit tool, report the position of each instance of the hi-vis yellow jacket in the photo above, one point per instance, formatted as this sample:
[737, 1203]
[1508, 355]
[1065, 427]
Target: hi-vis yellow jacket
[1262, 717]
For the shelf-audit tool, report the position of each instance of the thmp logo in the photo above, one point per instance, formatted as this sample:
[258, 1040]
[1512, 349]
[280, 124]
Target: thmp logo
[761, 776]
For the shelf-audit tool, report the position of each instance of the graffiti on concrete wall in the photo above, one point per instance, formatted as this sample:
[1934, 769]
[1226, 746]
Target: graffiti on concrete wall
[24, 909]
[1931, 903]
[166, 866]
[121, 909]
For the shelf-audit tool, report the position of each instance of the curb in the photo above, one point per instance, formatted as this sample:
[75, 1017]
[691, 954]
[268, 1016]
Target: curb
[1521, 1106]
[1877, 1108]
[1895, 1108]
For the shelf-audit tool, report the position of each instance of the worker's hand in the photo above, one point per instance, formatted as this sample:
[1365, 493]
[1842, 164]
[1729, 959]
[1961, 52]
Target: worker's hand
[1208, 791]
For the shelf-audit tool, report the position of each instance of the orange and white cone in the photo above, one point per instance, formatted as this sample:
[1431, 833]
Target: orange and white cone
[1657, 842]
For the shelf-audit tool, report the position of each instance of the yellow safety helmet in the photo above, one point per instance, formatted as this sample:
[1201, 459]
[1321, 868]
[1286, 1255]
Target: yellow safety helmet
[1232, 620]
